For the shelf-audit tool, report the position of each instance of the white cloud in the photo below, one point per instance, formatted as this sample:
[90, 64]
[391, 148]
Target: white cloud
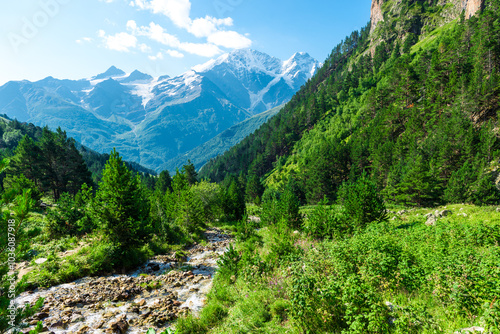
[178, 11]
[122, 41]
[175, 54]
[84, 40]
[204, 27]
[211, 29]
[201, 49]
[131, 25]
[229, 39]
[157, 33]
[159, 56]
[145, 48]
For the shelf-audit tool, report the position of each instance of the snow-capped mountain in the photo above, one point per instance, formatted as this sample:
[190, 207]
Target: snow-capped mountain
[258, 81]
[152, 120]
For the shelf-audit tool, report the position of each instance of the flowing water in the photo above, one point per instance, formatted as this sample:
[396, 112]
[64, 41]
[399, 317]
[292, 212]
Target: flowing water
[151, 297]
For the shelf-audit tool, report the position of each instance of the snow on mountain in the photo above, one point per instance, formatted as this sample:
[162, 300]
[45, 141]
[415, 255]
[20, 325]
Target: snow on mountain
[151, 120]
[110, 73]
[137, 77]
[300, 65]
[254, 77]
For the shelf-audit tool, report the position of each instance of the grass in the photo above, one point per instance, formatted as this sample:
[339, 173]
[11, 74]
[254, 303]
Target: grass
[431, 36]
[438, 279]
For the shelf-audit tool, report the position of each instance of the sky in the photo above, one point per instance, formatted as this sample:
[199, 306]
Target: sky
[74, 39]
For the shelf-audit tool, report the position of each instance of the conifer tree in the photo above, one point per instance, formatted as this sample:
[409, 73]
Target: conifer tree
[164, 182]
[234, 201]
[190, 172]
[27, 161]
[254, 189]
[120, 207]
[458, 188]
[362, 202]
[289, 208]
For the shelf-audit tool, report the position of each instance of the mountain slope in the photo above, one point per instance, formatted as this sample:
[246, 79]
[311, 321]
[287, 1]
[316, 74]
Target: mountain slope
[418, 113]
[152, 120]
[222, 142]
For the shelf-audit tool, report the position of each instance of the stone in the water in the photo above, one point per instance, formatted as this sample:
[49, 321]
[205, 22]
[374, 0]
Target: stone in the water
[41, 316]
[153, 266]
[120, 326]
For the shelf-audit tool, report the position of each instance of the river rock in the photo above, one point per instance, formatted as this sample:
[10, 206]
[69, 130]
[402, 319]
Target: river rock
[120, 326]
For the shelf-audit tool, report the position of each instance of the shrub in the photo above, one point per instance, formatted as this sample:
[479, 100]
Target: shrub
[362, 202]
[228, 263]
[63, 220]
[280, 309]
[324, 221]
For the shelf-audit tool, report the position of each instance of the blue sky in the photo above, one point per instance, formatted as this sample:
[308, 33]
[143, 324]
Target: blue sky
[80, 38]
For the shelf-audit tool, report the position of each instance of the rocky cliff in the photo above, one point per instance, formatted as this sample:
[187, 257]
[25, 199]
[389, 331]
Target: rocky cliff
[472, 7]
[376, 13]
[449, 10]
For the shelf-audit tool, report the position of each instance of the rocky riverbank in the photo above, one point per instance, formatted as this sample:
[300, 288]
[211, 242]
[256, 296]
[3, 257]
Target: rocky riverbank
[151, 297]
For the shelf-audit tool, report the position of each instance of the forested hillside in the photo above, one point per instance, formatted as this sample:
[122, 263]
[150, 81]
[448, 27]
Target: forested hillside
[44, 152]
[368, 204]
[420, 116]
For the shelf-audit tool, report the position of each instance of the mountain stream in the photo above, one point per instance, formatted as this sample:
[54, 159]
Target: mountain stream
[151, 297]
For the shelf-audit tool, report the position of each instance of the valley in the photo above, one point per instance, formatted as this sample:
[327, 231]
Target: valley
[255, 195]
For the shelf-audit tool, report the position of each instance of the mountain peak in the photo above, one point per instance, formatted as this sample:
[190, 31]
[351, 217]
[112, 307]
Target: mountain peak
[136, 76]
[301, 63]
[111, 72]
[247, 59]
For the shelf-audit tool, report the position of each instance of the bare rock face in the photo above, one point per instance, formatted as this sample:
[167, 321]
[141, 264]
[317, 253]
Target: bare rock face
[472, 7]
[376, 13]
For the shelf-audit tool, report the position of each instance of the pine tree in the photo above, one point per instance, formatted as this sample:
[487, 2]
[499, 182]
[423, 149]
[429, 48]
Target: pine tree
[27, 161]
[254, 189]
[289, 208]
[190, 171]
[164, 182]
[234, 201]
[417, 186]
[120, 207]
[459, 184]
[362, 202]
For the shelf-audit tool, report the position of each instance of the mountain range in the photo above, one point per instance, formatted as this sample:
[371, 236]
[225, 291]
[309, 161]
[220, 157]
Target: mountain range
[153, 120]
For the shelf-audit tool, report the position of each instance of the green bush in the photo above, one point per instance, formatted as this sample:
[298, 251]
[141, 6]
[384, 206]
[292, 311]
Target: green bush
[362, 203]
[277, 206]
[228, 264]
[325, 221]
[63, 219]
[280, 309]
[17, 183]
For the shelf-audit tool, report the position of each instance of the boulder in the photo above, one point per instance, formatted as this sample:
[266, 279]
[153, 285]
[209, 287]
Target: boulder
[431, 220]
[442, 213]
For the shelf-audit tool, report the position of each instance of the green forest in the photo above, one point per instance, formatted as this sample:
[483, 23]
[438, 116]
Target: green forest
[368, 204]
